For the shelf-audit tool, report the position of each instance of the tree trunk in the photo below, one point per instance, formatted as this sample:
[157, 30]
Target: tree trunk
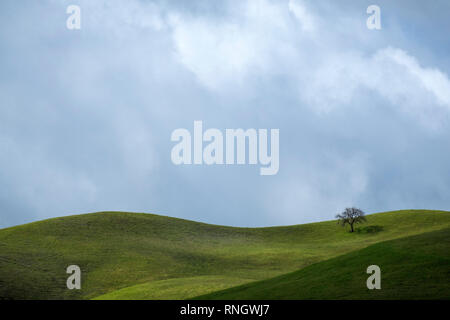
[351, 226]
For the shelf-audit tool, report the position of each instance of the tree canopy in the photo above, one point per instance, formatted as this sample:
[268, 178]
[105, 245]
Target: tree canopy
[351, 216]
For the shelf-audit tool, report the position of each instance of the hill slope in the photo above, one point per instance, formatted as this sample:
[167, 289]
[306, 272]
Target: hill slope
[148, 256]
[416, 267]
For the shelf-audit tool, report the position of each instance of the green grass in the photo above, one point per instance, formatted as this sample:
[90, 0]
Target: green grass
[145, 256]
[173, 288]
[416, 267]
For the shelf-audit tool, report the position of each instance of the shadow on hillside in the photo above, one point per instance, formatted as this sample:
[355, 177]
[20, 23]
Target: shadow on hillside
[369, 229]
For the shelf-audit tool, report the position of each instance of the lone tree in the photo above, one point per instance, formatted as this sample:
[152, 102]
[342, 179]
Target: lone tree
[351, 216]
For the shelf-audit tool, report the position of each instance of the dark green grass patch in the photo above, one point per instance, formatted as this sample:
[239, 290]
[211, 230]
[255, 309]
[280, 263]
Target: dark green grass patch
[416, 267]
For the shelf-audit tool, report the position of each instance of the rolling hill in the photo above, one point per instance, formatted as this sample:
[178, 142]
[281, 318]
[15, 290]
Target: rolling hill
[145, 256]
[415, 267]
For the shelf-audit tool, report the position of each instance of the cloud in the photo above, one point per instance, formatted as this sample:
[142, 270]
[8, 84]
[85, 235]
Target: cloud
[316, 190]
[396, 63]
[225, 53]
[306, 19]
[86, 116]
[392, 74]
[264, 41]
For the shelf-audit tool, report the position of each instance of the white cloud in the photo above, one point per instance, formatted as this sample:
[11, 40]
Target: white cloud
[265, 38]
[306, 19]
[262, 40]
[431, 80]
[224, 53]
[217, 55]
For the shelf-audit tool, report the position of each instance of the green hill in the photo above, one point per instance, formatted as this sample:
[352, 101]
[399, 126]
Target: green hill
[145, 256]
[416, 267]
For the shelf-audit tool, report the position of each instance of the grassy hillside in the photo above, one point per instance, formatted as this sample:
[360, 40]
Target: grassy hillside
[416, 267]
[173, 288]
[145, 256]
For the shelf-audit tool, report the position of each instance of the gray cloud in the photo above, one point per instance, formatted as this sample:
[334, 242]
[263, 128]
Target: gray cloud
[86, 116]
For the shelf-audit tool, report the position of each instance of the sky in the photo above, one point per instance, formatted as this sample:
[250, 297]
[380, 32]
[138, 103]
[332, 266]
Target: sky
[86, 115]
